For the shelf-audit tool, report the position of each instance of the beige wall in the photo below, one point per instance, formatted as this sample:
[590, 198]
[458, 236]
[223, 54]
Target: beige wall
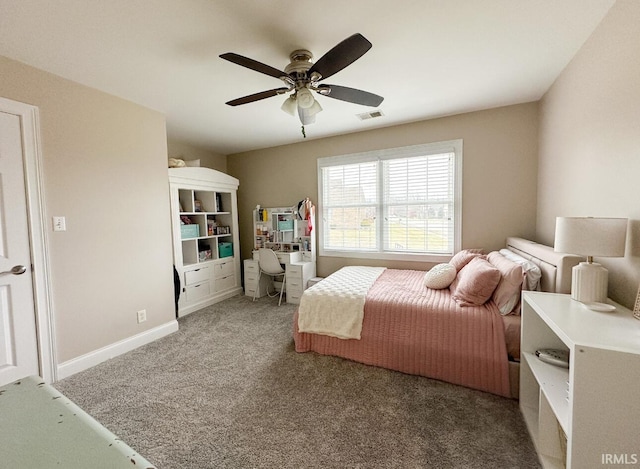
[187, 152]
[499, 174]
[105, 170]
[590, 141]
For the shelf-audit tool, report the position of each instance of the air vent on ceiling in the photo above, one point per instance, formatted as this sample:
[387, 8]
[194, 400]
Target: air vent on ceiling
[370, 115]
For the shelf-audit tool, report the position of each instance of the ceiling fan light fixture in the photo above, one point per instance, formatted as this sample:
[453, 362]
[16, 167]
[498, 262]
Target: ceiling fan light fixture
[305, 98]
[290, 106]
[306, 117]
[315, 108]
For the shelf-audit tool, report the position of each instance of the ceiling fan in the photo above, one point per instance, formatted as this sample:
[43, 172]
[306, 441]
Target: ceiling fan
[302, 77]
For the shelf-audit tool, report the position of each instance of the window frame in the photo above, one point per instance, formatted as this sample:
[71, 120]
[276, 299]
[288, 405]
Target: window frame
[426, 149]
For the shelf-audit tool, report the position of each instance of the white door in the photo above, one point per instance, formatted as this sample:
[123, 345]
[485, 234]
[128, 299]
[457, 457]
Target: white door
[18, 336]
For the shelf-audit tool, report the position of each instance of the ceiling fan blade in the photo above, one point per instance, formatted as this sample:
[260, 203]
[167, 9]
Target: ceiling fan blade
[257, 96]
[343, 54]
[253, 65]
[351, 95]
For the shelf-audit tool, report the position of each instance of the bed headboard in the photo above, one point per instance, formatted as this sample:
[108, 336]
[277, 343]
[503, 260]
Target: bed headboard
[555, 266]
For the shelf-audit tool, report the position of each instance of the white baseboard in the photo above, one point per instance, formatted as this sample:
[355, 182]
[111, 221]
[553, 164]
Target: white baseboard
[88, 360]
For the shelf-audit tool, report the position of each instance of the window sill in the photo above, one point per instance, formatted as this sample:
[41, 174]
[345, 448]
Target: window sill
[389, 256]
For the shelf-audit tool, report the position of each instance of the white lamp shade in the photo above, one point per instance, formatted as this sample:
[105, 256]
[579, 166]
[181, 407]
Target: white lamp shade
[306, 116]
[591, 237]
[586, 236]
[305, 98]
[290, 105]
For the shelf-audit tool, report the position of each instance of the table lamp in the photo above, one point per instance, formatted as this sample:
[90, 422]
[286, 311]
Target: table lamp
[590, 237]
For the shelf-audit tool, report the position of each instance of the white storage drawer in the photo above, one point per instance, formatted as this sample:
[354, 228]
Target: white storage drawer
[251, 266]
[294, 283]
[197, 292]
[199, 275]
[250, 279]
[225, 283]
[294, 270]
[293, 296]
[223, 269]
[251, 286]
[294, 289]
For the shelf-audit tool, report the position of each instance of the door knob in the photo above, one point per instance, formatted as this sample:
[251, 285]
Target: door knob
[15, 270]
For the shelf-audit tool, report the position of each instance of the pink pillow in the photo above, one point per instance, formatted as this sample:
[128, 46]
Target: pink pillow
[507, 295]
[462, 258]
[475, 283]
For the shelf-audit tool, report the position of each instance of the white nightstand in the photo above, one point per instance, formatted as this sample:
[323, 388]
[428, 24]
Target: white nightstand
[596, 402]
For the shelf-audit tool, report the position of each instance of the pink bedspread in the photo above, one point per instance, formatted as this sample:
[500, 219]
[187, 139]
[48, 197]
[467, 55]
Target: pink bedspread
[410, 328]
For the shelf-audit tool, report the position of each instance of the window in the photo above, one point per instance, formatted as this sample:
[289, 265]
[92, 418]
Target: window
[400, 203]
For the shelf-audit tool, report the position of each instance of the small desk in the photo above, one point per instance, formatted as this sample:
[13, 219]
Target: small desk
[40, 427]
[287, 257]
[297, 270]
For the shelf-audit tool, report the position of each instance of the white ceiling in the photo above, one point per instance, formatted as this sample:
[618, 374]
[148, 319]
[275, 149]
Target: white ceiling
[430, 58]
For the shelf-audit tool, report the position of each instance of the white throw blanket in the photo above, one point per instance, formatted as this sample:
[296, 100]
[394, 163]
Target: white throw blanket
[335, 306]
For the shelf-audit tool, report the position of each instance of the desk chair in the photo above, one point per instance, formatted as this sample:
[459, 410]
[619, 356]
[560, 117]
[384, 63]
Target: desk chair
[270, 265]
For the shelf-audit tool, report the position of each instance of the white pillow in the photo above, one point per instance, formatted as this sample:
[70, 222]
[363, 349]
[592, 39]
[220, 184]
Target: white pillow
[531, 271]
[440, 276]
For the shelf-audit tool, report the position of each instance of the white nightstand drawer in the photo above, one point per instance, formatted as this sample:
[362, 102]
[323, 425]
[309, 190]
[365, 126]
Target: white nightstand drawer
[191, 277]
[197, 292]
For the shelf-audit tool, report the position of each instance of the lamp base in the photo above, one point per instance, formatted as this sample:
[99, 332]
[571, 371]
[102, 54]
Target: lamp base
[589, 283]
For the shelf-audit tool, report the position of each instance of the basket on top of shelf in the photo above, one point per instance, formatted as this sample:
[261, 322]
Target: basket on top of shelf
[189, 231]
[285, 225]
[225, 250]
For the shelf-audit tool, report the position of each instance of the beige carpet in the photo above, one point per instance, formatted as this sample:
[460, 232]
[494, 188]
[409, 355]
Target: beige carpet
[229, 391]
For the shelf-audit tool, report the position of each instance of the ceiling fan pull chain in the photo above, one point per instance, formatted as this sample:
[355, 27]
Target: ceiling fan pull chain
[304, 134]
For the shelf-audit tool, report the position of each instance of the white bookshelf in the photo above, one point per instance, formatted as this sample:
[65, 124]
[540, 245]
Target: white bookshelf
[207, 256]
[595, 403]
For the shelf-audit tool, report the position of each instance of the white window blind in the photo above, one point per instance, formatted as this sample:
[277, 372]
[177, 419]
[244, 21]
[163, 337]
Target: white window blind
[391, 203]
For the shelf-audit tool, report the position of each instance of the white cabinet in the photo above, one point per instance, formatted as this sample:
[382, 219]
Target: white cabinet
[251, 286]
[298, 274]
[595, 404]
[204, 218]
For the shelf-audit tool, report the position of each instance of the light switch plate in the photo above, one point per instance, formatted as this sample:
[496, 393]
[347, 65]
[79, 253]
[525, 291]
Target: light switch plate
[59, 224]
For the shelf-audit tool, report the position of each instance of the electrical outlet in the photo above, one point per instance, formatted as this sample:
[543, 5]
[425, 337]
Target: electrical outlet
[142, 315]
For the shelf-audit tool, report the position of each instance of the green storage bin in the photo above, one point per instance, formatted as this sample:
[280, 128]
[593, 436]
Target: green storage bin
[285, 225]
[225, 250]
[189, 231]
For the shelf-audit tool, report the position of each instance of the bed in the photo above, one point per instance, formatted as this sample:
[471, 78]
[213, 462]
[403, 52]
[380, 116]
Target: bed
[395, 322]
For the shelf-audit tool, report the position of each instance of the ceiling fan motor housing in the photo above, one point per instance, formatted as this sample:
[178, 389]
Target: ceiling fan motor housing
[300, 62]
